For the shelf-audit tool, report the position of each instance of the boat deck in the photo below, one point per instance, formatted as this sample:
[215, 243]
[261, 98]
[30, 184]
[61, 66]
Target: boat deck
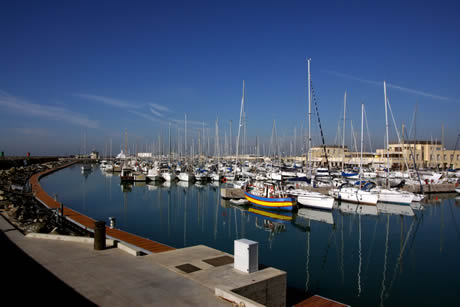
[87, 222]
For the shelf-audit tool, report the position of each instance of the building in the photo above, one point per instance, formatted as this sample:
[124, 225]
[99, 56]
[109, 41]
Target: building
[94, 155]
[427, 154]
[144, 154]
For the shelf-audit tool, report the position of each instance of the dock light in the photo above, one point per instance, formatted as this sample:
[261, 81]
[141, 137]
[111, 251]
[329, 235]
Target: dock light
[112, 222]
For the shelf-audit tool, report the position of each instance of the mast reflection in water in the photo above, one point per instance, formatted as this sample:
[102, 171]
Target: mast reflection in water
[385, 255]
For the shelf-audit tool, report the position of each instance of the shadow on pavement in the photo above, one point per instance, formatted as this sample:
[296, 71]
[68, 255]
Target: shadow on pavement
[25, 281]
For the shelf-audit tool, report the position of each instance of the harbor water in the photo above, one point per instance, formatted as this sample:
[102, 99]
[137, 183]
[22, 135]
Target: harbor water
[384, 255]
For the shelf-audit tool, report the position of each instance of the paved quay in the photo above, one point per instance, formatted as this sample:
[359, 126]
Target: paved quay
[49, 269]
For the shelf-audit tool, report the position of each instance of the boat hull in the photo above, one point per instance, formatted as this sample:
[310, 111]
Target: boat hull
[354, 195]
[316, 201]
[393, 197]
[286, 204]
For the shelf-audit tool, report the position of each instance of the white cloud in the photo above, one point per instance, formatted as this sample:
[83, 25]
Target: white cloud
[341, 75]
[160, 107]
[420, 93]
[148, 117]
[109, 101]
[51, 112]
[155, 112]
[389, 85]
[32, 131]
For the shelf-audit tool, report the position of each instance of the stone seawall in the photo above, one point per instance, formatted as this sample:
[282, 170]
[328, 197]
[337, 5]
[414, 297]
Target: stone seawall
[18, 203]
[9, 162]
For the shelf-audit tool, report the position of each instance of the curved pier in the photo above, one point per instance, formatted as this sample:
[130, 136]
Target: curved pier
[144, 245]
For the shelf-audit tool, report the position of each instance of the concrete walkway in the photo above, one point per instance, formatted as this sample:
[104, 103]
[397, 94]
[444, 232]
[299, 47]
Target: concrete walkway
[59, 272]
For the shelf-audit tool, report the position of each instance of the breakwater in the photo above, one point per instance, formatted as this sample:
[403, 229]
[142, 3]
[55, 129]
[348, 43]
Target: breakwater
[18, 161]
[18, 203]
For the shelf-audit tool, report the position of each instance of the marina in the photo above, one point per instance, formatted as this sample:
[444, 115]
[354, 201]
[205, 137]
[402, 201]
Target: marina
[243, 153]
[387, 248]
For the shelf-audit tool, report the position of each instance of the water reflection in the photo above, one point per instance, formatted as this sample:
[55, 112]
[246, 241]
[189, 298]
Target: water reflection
[316, 215]
[357, 254]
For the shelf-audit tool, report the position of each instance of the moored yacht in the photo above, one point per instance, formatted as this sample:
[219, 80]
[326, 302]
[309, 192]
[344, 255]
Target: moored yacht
[313, 199]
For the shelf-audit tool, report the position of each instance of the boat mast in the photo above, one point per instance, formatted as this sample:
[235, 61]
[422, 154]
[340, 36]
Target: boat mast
[362, 138]
[216, 143]
[309, 117]
[343, 131]
[239, 126]
[230, 144]
[169, 143]
[386, 132]
[185, 139]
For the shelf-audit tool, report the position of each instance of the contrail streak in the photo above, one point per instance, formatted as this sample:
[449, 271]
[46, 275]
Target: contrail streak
[402, 89]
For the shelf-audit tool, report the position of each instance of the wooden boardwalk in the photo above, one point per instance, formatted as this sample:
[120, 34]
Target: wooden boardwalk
[87, 222]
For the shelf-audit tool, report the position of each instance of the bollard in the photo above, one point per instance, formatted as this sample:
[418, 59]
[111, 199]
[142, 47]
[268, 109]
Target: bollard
[99, 235]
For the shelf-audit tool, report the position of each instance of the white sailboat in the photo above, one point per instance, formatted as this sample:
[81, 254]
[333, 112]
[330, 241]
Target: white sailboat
[311, 198]
[186, 176]
[391, 195]
[352, 193]
[154, 173]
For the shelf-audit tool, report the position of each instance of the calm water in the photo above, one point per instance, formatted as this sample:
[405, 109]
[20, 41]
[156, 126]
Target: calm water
[366, 259]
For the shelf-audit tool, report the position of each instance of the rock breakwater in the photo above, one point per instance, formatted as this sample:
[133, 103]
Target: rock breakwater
[19, 206]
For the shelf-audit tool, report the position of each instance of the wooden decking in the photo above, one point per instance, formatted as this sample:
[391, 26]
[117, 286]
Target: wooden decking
[319, 301]
[87, 222]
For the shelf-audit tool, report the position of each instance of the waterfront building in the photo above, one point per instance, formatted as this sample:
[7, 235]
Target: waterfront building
[427, 154]
[144, 154]
[94, 155]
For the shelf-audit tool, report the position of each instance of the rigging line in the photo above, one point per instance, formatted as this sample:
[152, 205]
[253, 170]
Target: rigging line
[401, 253]
[319, 124]
[367, 129]
[455, 149]
[415, 167]
[327, 250]
[370, 247]
[360, 258]
[385, 261]
[419, 220]
[397, 132]
[411, 124]
[338, 132]
[453, 218]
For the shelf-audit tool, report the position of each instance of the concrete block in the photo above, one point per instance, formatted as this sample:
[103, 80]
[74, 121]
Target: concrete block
[76, 239]
[236, 298]
[128, 249]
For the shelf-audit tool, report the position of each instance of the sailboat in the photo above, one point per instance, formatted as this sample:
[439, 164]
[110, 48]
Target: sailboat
[169, 174]
[388, 195]
[311, 198]
[349, 193]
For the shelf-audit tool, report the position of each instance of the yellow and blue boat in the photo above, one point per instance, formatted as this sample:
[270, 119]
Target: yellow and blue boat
[275, 203]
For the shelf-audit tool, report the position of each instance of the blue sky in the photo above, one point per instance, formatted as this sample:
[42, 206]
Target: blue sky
[70, 68]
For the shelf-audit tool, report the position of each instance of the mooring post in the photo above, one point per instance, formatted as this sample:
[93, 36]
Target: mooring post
[99, 235]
